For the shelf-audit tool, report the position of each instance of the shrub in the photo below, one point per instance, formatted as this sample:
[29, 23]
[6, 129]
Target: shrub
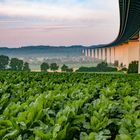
[101, 67]
[44, 66]
[133, 67]
[64, 68]
[124, 69]
[54, 66]
[116, 63]
[4, 60]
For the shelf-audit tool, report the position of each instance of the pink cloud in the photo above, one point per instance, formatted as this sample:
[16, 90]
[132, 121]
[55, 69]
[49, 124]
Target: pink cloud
[62, 25]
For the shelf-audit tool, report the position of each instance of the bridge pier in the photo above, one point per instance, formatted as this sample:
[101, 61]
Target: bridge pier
[108, 55]
[99, 53]
[124, 53]
[112, 55]
[86, 52]
[89, 53]
[92, 53]
[103, 54]
[96, 53]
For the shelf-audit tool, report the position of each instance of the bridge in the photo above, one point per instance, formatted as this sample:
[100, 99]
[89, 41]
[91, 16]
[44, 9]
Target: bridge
[126, 47]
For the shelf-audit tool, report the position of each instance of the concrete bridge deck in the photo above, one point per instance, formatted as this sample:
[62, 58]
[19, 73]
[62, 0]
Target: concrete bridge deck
[126, 47]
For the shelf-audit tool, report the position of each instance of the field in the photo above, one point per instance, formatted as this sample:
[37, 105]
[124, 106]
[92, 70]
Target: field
[69, 106]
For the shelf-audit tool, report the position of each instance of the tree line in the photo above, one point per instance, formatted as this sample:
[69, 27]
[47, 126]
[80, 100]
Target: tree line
[53, 66]
[101, 67]
[104, 67]
[13, 64]
[19, 65]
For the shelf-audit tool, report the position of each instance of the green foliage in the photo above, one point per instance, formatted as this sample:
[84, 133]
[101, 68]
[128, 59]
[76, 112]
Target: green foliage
[44, 66]
[64, 67]
[54, 66]
[26, 67]
[116, 63]
[69, 70]
[4, 61]
[13, 64]
[124, 69]
[69, 106]
[101, 67]
[16, 64]
[133, 67]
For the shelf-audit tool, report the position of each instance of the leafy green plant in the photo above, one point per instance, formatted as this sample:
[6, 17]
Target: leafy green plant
[66, 106]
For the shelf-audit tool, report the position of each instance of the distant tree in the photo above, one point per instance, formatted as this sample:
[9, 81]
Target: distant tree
[64, 68]
[54, 66]
[116, 63]
[26, 67]
[4, 60]
[69, 70]
[44, 66]
[133, 67]
[102, 65]
[16, 64]
[121, 65]
[124, 69]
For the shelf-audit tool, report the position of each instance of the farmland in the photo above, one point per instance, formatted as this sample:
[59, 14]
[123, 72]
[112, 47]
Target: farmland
[69, 106]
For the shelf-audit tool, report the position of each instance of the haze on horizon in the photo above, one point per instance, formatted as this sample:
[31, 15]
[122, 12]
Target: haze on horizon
[58, 22]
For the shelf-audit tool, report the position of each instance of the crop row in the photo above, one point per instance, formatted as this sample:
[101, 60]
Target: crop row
[69, 106]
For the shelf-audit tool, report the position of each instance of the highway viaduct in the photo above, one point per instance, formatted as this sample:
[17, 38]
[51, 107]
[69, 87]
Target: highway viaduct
[126, 47]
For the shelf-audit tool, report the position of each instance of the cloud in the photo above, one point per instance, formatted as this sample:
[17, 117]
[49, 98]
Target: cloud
[54, 12]
[65, 11]
[58, 22]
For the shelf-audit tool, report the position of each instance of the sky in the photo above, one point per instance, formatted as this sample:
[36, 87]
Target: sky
[58, 22]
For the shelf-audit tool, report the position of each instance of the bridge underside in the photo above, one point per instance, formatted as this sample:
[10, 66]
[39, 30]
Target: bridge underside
[123, 54]
[125, 48]
[129, 22]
